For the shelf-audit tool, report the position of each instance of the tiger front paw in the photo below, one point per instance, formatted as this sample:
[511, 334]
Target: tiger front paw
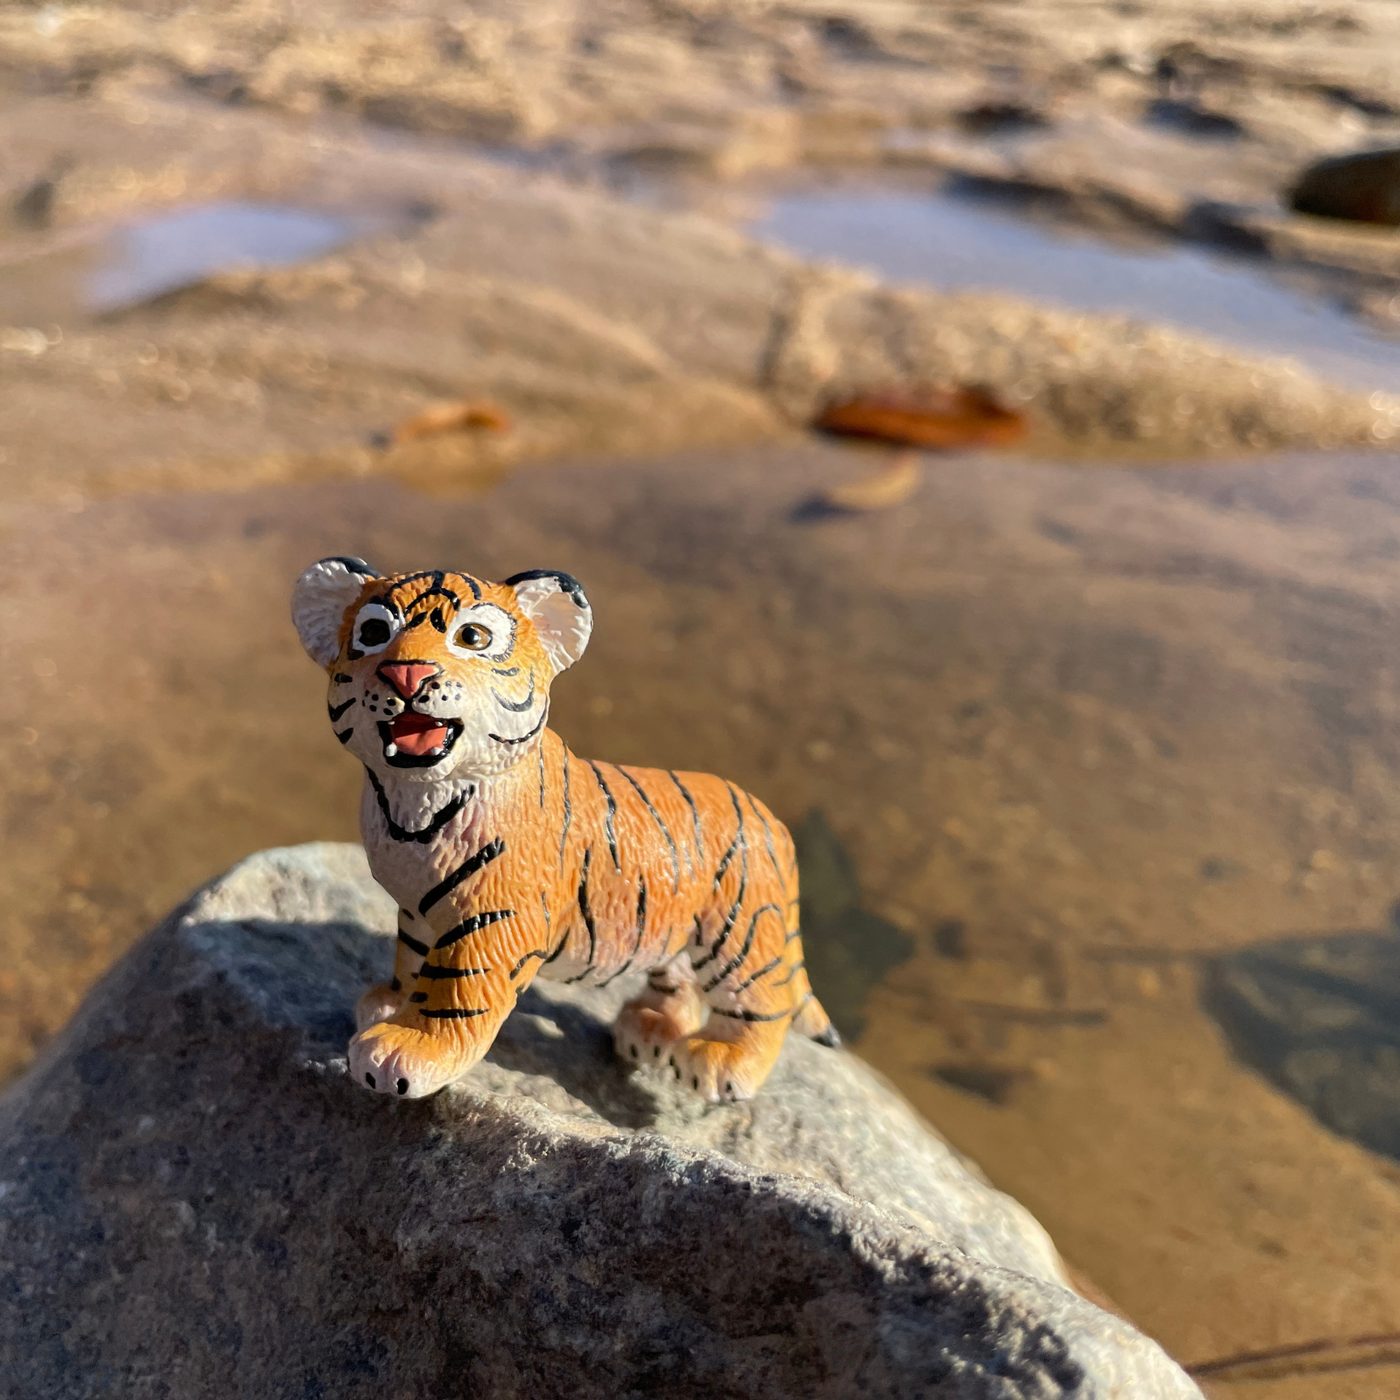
[403, 1062]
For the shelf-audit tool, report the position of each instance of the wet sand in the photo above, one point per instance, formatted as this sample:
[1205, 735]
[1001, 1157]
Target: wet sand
[1074, 729]
[602, 326]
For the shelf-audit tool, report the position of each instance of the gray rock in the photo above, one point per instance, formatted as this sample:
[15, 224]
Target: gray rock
[196, 1202]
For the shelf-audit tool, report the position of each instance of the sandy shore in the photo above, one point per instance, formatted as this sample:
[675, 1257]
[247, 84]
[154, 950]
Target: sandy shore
[607, 325]
[601, 325]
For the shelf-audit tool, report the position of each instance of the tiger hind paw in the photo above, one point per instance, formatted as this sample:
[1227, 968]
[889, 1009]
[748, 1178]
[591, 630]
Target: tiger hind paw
[720, 1071]
[649, 1025]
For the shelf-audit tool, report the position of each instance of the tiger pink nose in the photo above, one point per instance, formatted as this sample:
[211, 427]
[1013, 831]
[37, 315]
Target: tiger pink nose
[407, 676]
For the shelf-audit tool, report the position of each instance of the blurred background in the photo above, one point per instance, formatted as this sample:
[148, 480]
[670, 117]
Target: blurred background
[974, 422]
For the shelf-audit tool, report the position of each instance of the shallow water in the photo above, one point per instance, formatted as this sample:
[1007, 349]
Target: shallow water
[179, 249]
[962, 244]
[97, 270]
[1071, 735]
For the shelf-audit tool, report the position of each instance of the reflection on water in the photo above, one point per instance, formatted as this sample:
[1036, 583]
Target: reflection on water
[1321, 1018]
[975, 244]
[179, 249]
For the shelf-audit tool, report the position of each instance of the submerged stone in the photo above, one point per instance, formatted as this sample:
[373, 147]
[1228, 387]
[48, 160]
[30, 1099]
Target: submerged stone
[848, 948]
[1320, 1017]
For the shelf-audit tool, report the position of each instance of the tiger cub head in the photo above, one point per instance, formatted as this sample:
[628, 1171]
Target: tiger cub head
[437, 675]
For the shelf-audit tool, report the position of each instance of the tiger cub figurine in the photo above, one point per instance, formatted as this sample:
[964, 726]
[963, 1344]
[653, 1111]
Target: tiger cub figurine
[510, 858]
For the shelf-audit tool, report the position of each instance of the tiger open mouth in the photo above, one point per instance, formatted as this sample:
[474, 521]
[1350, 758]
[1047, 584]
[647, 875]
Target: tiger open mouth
[418, 741]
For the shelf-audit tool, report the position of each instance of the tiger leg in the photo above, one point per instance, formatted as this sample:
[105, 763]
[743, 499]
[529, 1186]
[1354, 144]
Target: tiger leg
[671, 1008]
[386, 999]
[410, 1056]
[753, 991]
[421, 1049]
[465, 988]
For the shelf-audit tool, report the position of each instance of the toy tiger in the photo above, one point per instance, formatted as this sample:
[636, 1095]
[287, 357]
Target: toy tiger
[511, 858]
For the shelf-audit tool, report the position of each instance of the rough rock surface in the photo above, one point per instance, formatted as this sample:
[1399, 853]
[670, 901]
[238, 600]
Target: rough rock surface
[196, 1202]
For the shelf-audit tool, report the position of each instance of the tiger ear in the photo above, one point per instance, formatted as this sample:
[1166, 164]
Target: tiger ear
[319, 601]
[556, 604]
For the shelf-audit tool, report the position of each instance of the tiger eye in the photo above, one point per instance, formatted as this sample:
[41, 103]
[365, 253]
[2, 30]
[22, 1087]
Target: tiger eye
[374, 632]
[474, 637]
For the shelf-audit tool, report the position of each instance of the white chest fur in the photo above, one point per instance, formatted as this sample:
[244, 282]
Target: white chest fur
[415, 839]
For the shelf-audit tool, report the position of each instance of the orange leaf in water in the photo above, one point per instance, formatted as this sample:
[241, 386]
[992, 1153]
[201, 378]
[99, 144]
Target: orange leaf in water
[450, 418]
[967, 416]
